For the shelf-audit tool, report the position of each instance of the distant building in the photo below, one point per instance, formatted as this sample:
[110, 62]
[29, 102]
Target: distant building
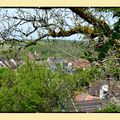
[33, 56]
[2, 64]
[50, 60]
[10, 63]
[13, 63]
[68, 66]
[81, 63]
[56, 60]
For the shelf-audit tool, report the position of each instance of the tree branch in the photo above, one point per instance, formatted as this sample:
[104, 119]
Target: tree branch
[101, 24]
[88, 31]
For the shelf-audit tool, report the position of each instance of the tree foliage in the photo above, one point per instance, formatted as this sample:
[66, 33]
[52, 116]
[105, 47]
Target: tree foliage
[35, 88]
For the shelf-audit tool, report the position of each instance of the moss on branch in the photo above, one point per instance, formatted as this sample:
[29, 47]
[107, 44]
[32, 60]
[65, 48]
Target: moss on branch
[86, 30]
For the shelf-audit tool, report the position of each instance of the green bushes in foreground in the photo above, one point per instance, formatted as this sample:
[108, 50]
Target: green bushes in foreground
[34, 88]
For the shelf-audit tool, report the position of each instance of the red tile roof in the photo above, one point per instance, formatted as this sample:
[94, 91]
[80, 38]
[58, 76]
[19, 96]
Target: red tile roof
[85, 97]
[81, 63]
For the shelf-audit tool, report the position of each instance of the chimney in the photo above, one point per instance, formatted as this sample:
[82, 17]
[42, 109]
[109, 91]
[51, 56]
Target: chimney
[103, 91]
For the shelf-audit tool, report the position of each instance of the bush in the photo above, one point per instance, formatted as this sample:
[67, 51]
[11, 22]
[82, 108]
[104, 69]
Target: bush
[112, 108]
[34, 88]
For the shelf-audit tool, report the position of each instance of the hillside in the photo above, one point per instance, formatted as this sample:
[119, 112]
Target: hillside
[52, 48]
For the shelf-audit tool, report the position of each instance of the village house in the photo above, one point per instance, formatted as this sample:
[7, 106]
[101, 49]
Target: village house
[2, 64]
[54, 62]
[10, 63]
[81, 63]
[85, 97]
[99, 95]
[68, 66]
[33, 56]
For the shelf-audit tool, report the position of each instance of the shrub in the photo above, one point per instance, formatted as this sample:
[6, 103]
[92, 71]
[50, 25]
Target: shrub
[112, 108]
[35, 88]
